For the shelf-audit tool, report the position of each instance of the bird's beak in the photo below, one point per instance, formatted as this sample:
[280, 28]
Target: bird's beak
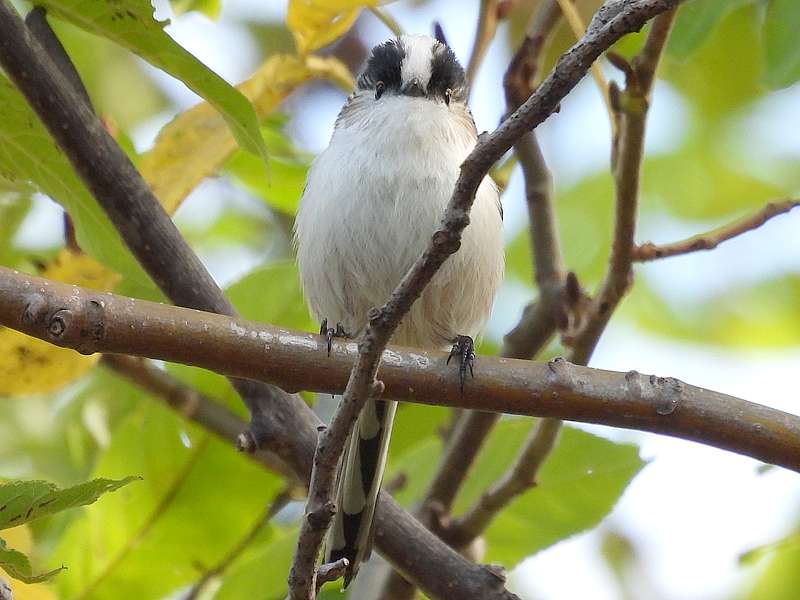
[414, 89]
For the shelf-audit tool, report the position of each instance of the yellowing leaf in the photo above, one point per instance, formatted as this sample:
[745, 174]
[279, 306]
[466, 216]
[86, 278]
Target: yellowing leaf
[32, 366]
[197, 143]
[316, 23]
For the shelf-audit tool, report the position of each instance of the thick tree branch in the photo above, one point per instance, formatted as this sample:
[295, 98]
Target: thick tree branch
[283, 421]
[88, 321]
[712, 239]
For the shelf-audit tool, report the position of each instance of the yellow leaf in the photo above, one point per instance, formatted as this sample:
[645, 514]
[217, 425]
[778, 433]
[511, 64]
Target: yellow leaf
[32, 366]
[19, 538]
[316, 23]
[197, 142]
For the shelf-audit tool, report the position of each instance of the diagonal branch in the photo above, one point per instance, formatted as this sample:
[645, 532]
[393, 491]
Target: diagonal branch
[611, 22]
[712, 239]
[74, 317]
[631, 117]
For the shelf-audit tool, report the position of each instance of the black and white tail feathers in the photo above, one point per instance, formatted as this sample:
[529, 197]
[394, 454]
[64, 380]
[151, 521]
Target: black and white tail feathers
[359, 482]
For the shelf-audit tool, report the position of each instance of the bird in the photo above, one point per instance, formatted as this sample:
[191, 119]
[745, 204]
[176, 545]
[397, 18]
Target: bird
[373, 199]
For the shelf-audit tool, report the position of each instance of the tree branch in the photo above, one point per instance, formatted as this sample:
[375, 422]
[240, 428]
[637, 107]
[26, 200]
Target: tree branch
[74, 317]
[712, 239]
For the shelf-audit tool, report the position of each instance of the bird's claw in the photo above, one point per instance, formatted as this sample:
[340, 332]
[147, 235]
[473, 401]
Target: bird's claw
[464, 348]
[329, 332]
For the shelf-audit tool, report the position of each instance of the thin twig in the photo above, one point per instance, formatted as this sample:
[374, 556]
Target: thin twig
[331, 571]
[387, 19]
[278, 503]
[578, 27]
[711, 239]
[74, 317]
[538, 322]
[517, 480]
[630, 107]
[484, 34]
[609, 24]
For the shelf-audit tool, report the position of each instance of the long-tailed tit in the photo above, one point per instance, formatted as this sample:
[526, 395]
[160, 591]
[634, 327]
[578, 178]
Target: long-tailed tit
[372, 201]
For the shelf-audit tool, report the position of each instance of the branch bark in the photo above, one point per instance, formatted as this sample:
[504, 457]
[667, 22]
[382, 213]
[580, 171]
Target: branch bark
[711, 239]
[88, 321]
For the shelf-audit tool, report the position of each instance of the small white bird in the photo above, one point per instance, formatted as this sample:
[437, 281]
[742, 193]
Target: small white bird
[372, 201]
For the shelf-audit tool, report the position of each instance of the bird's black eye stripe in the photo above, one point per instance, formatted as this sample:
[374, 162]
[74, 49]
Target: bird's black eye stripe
[447, 76]
[383, 67]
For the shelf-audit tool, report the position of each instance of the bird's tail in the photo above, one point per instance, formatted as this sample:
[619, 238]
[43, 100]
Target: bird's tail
[359, 482]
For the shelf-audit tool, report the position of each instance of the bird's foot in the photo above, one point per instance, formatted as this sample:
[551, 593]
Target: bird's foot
[329, 332]
[464, 349]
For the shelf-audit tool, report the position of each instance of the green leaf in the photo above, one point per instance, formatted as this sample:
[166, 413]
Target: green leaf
[248, 574]
[158, 532]
[272, 294]
[578, 485]
[23, 501]
[762, 315]
[694, 24]
[782, 51]
[723, 74]
[779, 579]
[29, 155]
[288, 169]
[17, 565]
[14, 207]
[210, 8]
[131, 24]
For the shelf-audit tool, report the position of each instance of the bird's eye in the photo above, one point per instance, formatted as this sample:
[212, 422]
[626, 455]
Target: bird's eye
[447, 93]
[380, 87]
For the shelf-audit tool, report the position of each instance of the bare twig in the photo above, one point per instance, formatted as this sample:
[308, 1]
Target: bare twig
[711, 239]
[75, 317]
[517, 480]
[573, 17]
[331, 571]
[484, 34]
[630, 106]
[541, 441]
[278, 503]
[387, 19]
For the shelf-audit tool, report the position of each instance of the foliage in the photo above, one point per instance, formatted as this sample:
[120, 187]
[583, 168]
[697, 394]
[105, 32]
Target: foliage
[66, 419]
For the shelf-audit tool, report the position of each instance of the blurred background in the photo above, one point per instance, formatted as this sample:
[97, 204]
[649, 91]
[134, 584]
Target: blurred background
[673, 520]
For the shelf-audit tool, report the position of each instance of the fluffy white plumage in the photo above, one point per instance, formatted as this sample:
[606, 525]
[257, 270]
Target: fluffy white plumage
[372, 201]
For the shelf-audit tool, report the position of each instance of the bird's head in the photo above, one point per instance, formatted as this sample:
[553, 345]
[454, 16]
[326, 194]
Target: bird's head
[414, 66]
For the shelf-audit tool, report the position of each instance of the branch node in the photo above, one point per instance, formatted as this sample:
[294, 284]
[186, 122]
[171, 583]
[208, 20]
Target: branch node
[246, 442]
[35, 308]
[331, 571]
